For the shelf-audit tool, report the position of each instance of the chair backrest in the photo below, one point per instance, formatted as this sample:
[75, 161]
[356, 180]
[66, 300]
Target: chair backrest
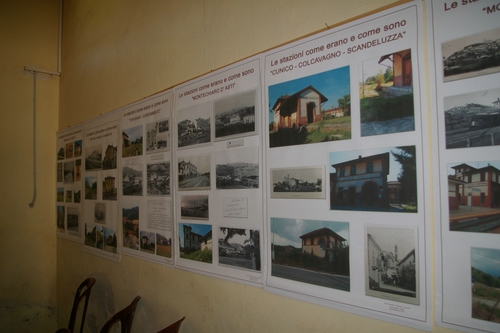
[63, 330]
[83, 291]
[173, 328]
[124, 316]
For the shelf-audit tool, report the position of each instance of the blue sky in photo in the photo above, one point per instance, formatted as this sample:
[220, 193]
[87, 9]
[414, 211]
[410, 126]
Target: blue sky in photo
[477, 165]
[487, 260]
[134, 133]
[200, 229]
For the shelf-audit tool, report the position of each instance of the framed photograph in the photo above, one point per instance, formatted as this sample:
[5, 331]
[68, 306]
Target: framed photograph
[158, 136]
[132, 141]
[298, 183]
[158, 176]
[485, 273]
[472, 119]
[235, 115]
[194, 172]
[392, 263]
[237, 168]
[132, 179]
[195, 242]
[474, 196]
[311, 251]
[379, 180]
[193, 127]
[310, 109]
[386, 94]
[239, 248]
[471, 56]
[194, 207]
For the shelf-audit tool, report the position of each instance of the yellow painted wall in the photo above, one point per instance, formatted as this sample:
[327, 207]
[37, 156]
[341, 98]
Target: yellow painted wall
[28, 37]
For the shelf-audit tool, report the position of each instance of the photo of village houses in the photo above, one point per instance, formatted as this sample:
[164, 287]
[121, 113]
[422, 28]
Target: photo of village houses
[311, 109]
[472, 119]
[298, 183]
[132, 141]
[163, 246]
[471, 56]
[193, 127]
[239, 248]
[194, 172]
[157, 136]
[109, 159]
[148, 242]
[73, 219]
[69, 172]
[391, 264]
[379, 180]
[93, 158]
[474, 196]
[132, 179]
[110, 241]
[311, 251]
[386, 94]
[194, 207]
[158, 175]
[237, 168]
[235, 115]
[485, 277]
[90, 235]
[109, 191]
[91, 188]
[69, 150]
[78, 148]
[130, 223]
[195, 242]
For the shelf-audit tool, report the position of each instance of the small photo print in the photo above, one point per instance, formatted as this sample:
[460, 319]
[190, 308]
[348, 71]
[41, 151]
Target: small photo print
[163, 246]
[69, 172]
[158, 175]
[60, 218]
[194, 207]
[78, 170]
[93, 158]
[73, 219]
[378, 180]
[194, 127]
[130, 220]
[109, 191]
[91, 188]
[235, 115]
[77, 195]
[386, 94]
[194, 172]
[237, 168]
[132, 180]
[99, 237]
[298, 183]
[195, 242]
[100, 212]
[148, 242]
[78, 148]
[59, 172]
[157, 136]
[132, 141]
[311, 251]
[60, 194]
[90, 235]
[239, 248]
[69, 196]
[474, 196]
[485, 277]
[472, 119]
[109, 159]
[110, 240]
[471, 56]
[61, 154]
[69, 150]
[391, 264]
[311, 109]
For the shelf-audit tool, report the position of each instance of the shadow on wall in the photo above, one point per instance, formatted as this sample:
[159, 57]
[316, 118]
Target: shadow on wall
[101, 304]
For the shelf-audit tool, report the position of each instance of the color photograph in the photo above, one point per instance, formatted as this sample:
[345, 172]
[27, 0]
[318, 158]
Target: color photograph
[130, 223]
[163, 246]
[132, 141]
[110, 241]
[235, 115]
[195, 242]
[239, 248]
[91, 188]
[485, 277]
[148, 242]
[93, 158]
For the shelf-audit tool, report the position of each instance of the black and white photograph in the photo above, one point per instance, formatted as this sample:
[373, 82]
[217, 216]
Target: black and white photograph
[93, 158]
[194, 172]
[148, 242]
[239, 248]
[472, 119]
[132, 141]
[78, 148]
[69, 172]
[237, 168]
[378, 180]
[61, 153]
[386, 94]
[298, 183]
[311, 251]
[193, 127]
[157, 136]
[158, 176]
[235, 115]
[73, 219]
[195, 242]
[474, 196]
[91, 188]
[470, 56]
[109, 191]
[392, 263]
[194, 207]
[132, 179]
[485, 288]
[100, 212]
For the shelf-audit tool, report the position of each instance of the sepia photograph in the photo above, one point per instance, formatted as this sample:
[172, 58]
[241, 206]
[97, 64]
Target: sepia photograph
[69, 172]
[485, 283]
[474, 196]
[163, 246]
[195, 242]
[91, 188]
[77, 148]
[239, 248]
[109, 159]
[235, 115]
[471, 56]
[311, 251]
[194, 207]
[110, 240]
[157, 136]
[194, 126]
[310, 109]
[61, 153]
[69, 150]
[158, 176]
[100, 212]
[147, 242]
[237, 168]
[132, 141]
[386, 94]
[378, 180]
[130, 224]
[194, 172]
[73, 219]
[78, 170]
[132, 179]
[93, 158]
[472, 119]
[298, 183]
[391, 264]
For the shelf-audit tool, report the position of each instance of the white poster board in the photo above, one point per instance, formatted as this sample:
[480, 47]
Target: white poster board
[218, 173]
[145, 168]
[465, 69]
[344, 151]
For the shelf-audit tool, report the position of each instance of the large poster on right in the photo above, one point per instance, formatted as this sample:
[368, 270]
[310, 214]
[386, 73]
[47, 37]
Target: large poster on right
[465, 37]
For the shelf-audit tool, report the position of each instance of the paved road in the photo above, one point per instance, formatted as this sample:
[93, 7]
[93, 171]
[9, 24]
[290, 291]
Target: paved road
[317, 278]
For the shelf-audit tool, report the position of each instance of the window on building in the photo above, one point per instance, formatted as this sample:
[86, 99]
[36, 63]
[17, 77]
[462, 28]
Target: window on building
[369, 167]
[353, 170]
[482, 176]
[342, 171]
[483, 196]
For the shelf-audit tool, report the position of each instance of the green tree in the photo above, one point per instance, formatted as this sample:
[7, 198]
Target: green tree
[408, 174]
[388, 75]
[345, 104]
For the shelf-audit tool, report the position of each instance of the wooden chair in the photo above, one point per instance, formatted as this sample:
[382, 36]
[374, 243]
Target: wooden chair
[173, 328]
[63, 330]
[124, 316]
[82, 292]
